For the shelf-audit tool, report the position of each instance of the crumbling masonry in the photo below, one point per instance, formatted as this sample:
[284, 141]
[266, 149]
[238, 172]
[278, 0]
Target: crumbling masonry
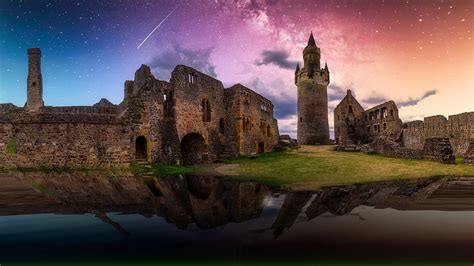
[190, 119]
[435, 138]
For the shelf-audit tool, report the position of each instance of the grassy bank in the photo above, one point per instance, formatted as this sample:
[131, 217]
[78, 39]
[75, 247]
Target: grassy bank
[316, 166]
[159, 169]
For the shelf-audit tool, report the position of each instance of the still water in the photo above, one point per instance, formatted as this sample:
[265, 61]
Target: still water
[74, 217]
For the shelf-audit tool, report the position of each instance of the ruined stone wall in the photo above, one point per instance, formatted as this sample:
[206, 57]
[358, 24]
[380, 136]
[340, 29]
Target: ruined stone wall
[458, 128]
[348, 116]
[199, 107]
[383, 120]
[43, 139]
[150, 115]
[255, 129]
[434, 149]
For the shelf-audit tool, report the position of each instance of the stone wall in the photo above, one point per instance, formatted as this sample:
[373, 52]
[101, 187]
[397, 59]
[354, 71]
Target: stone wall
[348, 118]
[469, 156]
[199, 108]
[434, 149]
[458, 128]
[254, 128]
[382, 120]
[48, 142]
[191, 118]
[354, 125]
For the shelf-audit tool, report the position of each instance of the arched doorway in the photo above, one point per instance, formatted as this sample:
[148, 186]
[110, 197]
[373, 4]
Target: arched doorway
[141, 149]
[261, 147]
[194, 149]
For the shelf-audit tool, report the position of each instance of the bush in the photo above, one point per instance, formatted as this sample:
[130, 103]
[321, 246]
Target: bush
[11, 147]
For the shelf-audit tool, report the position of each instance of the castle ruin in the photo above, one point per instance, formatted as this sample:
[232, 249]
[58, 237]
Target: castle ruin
[190, 119]
[434, 138]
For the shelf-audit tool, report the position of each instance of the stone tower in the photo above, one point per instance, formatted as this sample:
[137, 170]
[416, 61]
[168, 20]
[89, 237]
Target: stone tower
[35, 81]
[312, 83]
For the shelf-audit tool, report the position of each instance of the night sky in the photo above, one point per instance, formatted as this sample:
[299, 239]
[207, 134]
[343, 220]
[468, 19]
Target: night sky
[418, 53]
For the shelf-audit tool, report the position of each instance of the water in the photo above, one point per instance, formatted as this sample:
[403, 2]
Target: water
[78, 217]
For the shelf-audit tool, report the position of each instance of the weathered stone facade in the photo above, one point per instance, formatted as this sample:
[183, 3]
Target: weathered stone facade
[382, 128]
[353, 125]
[458, 128]
[190, 119]
[312, 82]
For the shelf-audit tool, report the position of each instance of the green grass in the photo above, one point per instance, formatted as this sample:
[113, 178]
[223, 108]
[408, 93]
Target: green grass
[159, 169]
[311, 167]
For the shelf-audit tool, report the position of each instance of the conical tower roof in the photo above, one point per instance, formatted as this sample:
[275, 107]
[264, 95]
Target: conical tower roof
[311, 41]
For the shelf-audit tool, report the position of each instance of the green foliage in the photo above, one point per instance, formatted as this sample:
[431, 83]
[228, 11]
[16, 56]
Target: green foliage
[314, 166]
[459, 159]
[159, 169]
[11, 147]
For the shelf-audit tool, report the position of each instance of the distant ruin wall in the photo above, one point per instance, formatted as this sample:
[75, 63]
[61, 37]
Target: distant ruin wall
[434, 149]
[458, 128]
[34, 140]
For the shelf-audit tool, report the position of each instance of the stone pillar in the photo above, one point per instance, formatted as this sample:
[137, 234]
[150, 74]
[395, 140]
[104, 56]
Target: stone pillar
[35, 81]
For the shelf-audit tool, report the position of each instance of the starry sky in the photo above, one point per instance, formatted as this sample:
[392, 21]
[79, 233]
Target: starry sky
[418, 53]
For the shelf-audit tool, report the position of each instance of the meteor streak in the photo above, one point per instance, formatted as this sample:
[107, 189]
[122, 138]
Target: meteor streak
[140, 45]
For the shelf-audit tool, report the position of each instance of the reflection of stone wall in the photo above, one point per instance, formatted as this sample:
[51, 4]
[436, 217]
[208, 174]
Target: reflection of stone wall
[458, 128]
[206, 201]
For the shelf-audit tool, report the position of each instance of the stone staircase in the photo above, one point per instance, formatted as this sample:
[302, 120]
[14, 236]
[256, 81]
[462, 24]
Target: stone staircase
[140, 159]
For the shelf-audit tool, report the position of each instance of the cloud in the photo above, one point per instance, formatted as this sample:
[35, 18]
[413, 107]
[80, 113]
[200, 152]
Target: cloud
[375, 100]
[336, 92]
[415, 101]
[284, 104]
[165, 62]
[278, 58]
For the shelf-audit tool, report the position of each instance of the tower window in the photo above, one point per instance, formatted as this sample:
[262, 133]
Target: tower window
[206, 111]
[301, 119]
[34, 84]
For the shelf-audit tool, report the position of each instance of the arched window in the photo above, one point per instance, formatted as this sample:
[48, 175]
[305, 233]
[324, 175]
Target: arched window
[221, 126]
[269, 131]
[350, 109]
[206, 110]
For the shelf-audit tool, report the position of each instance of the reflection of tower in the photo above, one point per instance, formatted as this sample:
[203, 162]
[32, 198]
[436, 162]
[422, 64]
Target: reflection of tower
[107, 220]
[292, 206]
[35, 81]
[312, 82]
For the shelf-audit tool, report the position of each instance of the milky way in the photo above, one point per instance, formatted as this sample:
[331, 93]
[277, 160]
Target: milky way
[398, 50]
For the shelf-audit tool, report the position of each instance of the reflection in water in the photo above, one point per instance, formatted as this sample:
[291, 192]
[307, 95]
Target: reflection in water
[192, 202]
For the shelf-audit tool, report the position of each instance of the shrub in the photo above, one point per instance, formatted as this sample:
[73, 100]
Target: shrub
[11, 147]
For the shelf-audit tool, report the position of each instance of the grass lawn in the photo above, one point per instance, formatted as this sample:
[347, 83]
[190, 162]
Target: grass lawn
[311, 167]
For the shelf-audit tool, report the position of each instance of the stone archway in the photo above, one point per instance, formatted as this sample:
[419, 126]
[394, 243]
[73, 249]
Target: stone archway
[194, 149]
[141, 153]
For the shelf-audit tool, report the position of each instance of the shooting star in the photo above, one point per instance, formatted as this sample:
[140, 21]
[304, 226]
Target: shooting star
[140, 45]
